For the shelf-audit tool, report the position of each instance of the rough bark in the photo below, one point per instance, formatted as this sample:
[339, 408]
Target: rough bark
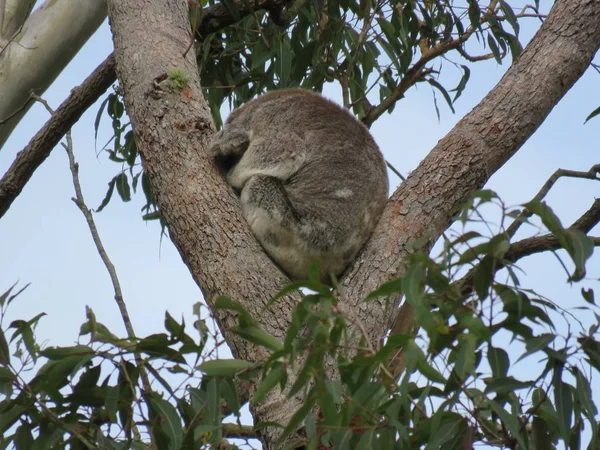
[203, 214]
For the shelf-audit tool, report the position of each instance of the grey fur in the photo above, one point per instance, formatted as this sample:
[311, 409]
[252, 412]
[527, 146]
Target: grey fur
[312, 180]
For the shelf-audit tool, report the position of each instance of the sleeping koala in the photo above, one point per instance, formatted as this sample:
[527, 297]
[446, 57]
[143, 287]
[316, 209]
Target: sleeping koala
[311, 179]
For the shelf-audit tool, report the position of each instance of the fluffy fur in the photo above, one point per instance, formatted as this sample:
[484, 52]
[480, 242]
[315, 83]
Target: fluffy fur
[311, 179]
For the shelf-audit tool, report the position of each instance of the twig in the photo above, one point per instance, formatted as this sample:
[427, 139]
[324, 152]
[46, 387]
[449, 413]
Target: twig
[591, 174]
[536, 244]
[80, 202]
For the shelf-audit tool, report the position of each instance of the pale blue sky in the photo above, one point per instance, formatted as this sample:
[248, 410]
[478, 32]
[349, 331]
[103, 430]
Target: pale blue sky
[44, 238]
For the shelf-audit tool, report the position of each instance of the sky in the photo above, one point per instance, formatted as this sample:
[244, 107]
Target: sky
[44, 239]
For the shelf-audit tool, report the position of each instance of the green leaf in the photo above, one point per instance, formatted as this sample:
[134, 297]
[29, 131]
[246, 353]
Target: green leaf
[474, 14]
[25, 331]
[283, 61]
[274, 377]
[99, 116]
[115, 107]
[584, 395]
[499, 362]
[224, 367]
[507, 385]
[466, 356]
[510, 16]
[23, 437]
[564, 407]
[388, 288]
[259, 337]
[540, 435]
[536, 344]
[108, 195]
[443, 91]
[7, 298]
[430, 372]
[412, 284]
[593, 114]
[588, 295]
[10, 415]
[580, 249]
[494, 48]
[226, 303]
[300, 415]
[63, 352]
[169, 421]
[123, 188]
[462, 83]
[4, 351]
[172, 326]
[591, 348]
[510, 422]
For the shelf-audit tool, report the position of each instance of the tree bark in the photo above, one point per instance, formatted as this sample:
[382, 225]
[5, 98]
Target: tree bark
[204, 216]
[203, 213]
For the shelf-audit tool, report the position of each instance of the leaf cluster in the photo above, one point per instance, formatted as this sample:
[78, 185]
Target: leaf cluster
[460, 387]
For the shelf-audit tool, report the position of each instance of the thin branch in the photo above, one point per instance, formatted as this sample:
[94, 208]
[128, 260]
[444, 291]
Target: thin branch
[589, 219]
[235, 431]
[80, 202]
[592, 174]
[537, 244]
[471, 58]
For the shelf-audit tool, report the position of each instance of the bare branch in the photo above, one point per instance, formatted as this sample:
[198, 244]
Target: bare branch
[80, 202]
[592, 174]
[589, 219]
[536, 244]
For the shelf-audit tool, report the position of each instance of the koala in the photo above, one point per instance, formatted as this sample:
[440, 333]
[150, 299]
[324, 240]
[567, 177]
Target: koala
[312, 181]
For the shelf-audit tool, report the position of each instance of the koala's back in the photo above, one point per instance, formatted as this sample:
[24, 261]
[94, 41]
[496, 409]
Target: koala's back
[331, 173]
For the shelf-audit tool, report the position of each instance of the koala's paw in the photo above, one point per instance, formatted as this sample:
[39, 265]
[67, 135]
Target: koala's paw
[228, 146]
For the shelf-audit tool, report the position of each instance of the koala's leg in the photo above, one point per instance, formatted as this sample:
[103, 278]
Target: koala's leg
[274, 221]
[228, 146]
[278, 155]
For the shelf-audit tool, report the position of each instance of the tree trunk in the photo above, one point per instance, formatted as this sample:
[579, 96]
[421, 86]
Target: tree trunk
[203, 213]
[204, 216]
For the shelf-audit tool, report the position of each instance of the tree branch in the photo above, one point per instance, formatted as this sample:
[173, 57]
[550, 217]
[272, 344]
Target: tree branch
[463, 161]
[592, 174]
